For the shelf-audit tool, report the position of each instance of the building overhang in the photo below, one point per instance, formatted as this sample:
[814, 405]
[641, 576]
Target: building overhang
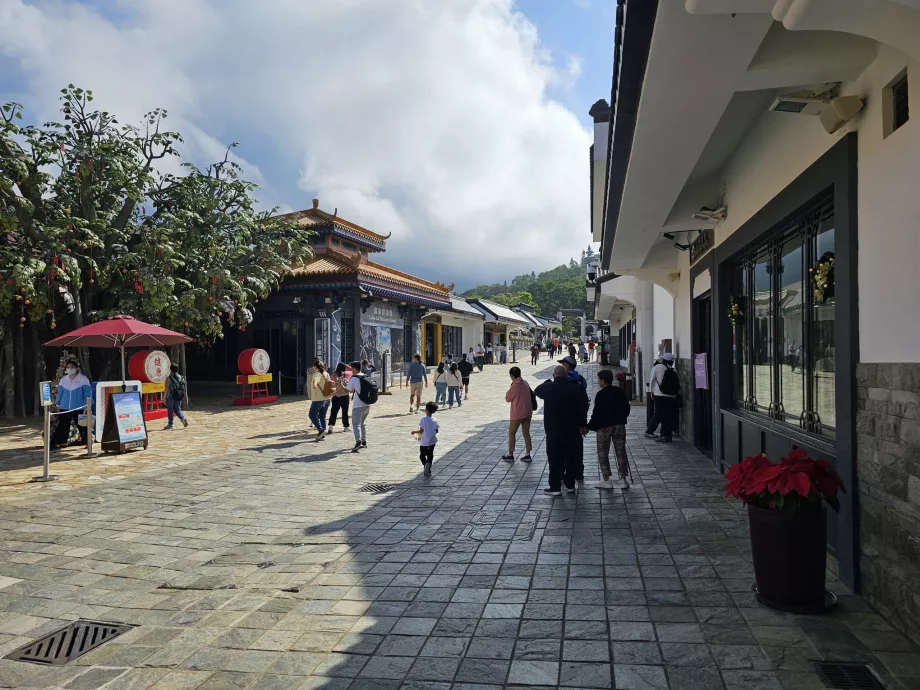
[692, 82]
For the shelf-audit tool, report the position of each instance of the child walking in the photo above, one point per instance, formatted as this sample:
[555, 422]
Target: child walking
[427, 434]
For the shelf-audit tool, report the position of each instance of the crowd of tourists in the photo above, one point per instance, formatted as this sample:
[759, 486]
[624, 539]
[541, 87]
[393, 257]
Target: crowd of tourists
[565, 423]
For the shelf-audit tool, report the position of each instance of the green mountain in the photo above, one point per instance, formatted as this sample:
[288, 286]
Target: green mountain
[562, 287]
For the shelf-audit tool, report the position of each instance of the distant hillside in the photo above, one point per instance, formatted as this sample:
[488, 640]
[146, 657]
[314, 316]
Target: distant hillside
[560, 288]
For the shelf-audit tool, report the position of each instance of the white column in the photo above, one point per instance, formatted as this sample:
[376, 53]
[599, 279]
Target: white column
[645, 330]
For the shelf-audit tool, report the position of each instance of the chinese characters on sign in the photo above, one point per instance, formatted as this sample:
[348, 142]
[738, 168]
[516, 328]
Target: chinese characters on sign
[701, 370]
[129, 417]
[321, 332]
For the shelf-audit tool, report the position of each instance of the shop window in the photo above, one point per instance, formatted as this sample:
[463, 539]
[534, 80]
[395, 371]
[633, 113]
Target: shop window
[781, 313]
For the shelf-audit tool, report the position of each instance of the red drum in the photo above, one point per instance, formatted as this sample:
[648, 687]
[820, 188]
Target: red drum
[254, 361]
[149, 366]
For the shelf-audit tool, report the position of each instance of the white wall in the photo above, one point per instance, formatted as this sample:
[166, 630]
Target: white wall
[472, 329]
[663, 317]
[781, 146]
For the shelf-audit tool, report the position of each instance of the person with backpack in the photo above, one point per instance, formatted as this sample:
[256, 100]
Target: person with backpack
[565, 410]
[175, 394]
[364, 394]
[665, 389]
[321, 389]
[534, 353]
[608, 421]
[340, 398]
[480, 357]
[523, 404]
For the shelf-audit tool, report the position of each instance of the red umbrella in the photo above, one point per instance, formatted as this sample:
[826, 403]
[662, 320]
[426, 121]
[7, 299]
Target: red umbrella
[120, 331]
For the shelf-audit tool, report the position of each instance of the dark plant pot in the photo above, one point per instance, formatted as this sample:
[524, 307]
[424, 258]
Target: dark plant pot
[790, 558]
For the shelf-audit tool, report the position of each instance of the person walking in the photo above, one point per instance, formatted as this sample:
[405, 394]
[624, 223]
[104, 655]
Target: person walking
[534, 353]
[340, 396]
[321, 390]
[577, 462]
[608, 421]
[175, 393]
[564, 415]
[454, 381]
[573, 353]
[583, 353]
[522, 408]
[364, 394]
[490, 359]
[480, 357]
[427, 435]
[665, 389]
[72, 391]
[440, 384]
[417, 373]
[466, 369]
[503, 354]
[471, 356]
[591, 346]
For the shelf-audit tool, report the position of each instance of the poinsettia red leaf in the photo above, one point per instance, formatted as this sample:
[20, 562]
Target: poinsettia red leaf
[802, 484]
[797, 454]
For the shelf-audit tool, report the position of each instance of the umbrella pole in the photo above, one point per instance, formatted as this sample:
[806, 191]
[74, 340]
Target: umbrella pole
[122, 348]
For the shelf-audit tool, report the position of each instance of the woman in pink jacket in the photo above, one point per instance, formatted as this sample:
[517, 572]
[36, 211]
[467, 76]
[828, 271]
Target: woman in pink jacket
[522, 406]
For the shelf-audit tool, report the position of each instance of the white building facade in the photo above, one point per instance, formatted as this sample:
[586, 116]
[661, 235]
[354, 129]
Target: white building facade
[786, 242]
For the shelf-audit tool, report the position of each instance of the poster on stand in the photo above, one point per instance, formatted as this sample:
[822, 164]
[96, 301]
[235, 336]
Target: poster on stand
[322, 338]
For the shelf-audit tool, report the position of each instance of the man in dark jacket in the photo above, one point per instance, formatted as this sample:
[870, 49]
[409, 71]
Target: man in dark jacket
[565, 412]
[577, 462]
[466, 369]
[608, 420]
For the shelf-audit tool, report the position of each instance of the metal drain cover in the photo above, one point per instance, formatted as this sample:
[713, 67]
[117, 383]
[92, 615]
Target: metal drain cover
[848, 676]
[66, 644]
[376, 488]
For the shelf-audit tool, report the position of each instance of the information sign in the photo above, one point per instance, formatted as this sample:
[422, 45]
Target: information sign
[45, 390]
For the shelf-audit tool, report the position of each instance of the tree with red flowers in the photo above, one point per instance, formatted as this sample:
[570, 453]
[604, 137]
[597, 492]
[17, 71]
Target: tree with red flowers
[89, 227]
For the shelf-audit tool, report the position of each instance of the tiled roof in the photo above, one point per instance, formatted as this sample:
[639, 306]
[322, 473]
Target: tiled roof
[500, 312]
[458, 304]
[315, 218]
[529, 317]
[337, 263]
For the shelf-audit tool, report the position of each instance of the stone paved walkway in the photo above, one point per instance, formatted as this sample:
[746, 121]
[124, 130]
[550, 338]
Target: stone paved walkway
[268, 568]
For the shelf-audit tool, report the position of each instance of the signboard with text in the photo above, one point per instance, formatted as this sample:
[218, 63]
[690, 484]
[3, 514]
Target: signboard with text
[129, 416]
[45, 389]
[701, 370]
[322, 349]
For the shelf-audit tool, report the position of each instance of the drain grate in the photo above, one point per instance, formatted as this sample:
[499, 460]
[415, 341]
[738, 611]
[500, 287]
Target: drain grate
[64, 645]
[847, 676]
[376, 488]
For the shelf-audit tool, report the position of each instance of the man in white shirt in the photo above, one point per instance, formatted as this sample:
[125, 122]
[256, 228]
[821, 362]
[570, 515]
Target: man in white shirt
[359, 408]
[665, 389]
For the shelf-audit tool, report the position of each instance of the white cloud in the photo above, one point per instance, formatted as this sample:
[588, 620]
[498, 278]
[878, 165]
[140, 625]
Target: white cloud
[429, 119]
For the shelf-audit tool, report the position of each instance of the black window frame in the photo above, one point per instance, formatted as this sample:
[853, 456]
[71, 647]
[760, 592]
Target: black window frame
[900, 102]
[807, 224]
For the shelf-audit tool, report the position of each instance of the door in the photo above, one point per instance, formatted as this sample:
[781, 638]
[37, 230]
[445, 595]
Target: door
[428, 336]
[702, 397]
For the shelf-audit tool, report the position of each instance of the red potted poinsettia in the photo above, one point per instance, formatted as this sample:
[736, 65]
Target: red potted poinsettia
[788, 526]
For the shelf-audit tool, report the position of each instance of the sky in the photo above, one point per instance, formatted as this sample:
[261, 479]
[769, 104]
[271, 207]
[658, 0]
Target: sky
[459, 126]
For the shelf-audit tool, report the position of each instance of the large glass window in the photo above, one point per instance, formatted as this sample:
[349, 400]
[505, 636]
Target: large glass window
[791, 301]
[783, 346]
[822, 329]
[762, 336]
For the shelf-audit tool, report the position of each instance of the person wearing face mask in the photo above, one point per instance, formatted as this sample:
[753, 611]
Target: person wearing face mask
[72, 391]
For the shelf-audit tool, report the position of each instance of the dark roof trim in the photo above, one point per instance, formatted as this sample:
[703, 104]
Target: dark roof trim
[402, 296]
[352, 236]
[632, 40]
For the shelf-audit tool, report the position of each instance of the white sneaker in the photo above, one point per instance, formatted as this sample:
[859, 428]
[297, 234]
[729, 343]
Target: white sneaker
[606, 484]
[321, 435]
[623, 484]
[410, 409]
[570, 491]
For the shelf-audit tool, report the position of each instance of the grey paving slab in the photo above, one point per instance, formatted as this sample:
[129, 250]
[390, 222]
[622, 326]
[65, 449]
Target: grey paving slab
[267, 568]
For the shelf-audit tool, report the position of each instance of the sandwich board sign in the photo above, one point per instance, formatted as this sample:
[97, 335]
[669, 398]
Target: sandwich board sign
[124, 427]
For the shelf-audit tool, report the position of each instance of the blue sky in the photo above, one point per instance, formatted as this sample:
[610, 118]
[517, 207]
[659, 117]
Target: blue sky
[461, 127]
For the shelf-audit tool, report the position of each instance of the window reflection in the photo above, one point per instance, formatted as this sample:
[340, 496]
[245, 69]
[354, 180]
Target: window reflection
[822, 334]
[791, 301]
[762, 336]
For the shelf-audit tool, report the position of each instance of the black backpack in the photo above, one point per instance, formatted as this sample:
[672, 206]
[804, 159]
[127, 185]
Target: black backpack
[177, 387]
[670, 382]
[368, 393]
[533, 400]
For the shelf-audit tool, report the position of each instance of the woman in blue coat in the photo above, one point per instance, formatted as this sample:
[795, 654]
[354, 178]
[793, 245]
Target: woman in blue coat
[72, 392]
